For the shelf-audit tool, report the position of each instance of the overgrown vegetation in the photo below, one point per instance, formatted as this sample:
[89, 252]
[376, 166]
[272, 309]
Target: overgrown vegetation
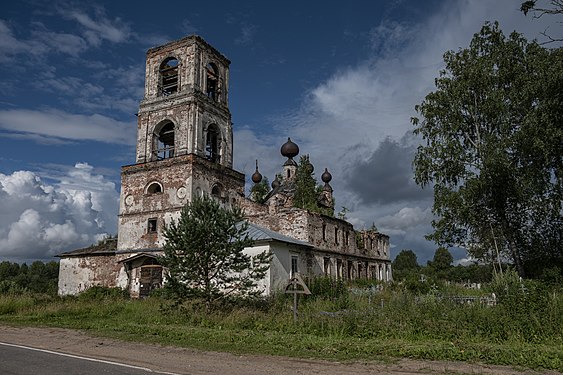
[38, 278]
[339, 321]
[204, 257]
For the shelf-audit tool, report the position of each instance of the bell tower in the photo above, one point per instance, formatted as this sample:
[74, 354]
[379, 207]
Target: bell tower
[184, 141]
[185, 109]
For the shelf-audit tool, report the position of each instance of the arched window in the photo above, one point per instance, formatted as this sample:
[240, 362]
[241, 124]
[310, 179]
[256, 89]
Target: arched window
[168, 76]
[212, 82]
[164, 141]
[154, 188]
[212, 144]
[216, 192]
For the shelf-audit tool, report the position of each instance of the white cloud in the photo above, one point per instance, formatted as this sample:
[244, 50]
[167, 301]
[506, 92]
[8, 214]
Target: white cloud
[10, 46]
[100, 28]
[39, 220]
[57, 124]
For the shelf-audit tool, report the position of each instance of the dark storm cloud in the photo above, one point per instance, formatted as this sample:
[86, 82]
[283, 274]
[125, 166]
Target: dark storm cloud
[387, 175]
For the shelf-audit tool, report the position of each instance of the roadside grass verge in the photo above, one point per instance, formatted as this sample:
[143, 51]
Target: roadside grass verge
[518, 332]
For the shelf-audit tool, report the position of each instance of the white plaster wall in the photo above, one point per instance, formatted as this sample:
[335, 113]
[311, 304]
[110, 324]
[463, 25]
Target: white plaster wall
[73, 279]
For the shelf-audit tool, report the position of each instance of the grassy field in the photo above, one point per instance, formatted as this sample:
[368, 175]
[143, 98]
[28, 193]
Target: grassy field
[524, 329]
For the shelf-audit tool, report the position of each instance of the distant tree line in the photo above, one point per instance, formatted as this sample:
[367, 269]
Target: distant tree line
[39, 277]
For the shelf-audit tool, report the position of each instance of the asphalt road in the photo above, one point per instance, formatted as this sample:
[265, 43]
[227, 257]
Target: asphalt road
[23, 360]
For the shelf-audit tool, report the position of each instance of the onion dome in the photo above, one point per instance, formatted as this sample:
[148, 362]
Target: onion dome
[289, 149]
[256, 176]
[275, 183]
[326, 176]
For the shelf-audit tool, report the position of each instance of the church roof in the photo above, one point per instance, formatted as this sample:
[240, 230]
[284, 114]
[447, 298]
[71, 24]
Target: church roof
[105, 247]
[258, 233]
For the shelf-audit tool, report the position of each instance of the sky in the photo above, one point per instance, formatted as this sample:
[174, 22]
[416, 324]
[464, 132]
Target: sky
[340, 78]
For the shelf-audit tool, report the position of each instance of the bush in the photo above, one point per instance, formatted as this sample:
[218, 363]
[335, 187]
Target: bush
[102, 292]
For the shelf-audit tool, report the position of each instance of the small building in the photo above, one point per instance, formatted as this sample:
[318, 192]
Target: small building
[184, 150]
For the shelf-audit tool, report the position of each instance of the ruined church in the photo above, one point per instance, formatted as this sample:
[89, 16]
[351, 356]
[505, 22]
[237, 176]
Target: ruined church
[185, 149]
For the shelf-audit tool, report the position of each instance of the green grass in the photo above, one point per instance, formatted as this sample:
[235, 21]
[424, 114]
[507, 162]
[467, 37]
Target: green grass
[519, 332]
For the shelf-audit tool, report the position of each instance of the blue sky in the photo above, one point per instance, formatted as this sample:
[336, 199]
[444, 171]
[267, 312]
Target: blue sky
[340, 78]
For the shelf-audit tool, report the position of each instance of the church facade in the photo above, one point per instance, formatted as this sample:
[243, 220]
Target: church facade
[185, 149]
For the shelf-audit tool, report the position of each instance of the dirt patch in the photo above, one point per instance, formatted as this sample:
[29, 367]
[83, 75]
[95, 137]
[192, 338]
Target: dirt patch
[188, 361]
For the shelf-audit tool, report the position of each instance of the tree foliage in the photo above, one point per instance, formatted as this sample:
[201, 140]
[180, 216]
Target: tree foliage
[259, 191]
[204, 253]
[405, 260]
[544, 8]
[493, 149]
[38, 278]
[442, 260]
[307, 191]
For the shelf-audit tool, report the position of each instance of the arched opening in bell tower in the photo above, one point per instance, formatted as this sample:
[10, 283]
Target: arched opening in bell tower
[168, 76]
[212, 82]
[163, 143]
[212, 144]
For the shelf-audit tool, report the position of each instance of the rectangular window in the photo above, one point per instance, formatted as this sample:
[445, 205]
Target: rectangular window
[151, 227]
[336, 235]
[339, 268]
[324, 232]
[347, 238]
[294, 265]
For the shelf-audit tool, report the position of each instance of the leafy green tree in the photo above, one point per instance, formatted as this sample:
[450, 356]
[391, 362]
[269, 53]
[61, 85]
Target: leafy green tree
[442, 260]
[405, 260]
[259, 191]
[305, 185]
[307, 190]
[493, 134]
[204, 253]
[405, 266]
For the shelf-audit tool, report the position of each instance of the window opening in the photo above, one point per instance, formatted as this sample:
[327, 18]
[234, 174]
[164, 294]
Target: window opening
[339, 268]
[324, 232]
[154, 188]
[336, 235]
[151, 227]
[169, 76]
[327, 266]
[212, 82]
[294, 265]
[350, 270]
[165, 142]
[212, 144]
[216, 191]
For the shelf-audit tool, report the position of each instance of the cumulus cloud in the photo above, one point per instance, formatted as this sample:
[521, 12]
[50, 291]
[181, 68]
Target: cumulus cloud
[39, 220]
[57, 124]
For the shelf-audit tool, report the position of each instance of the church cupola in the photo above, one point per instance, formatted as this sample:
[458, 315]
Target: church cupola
[289, 150]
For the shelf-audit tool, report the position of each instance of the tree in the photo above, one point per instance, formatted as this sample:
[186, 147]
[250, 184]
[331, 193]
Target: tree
[405, 260]
[555, 7]
[493, 150]
[305, 185]
[204, 254]
[307, 190]
[259, 191]
[442, 260]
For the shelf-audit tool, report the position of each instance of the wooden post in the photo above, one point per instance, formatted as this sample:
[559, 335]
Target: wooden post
[296, 286]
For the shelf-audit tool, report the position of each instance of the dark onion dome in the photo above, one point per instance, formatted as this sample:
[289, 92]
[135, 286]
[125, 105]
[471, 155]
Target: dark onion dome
[289, 149]
[256, 176]
[326, 176]
[275, 183]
